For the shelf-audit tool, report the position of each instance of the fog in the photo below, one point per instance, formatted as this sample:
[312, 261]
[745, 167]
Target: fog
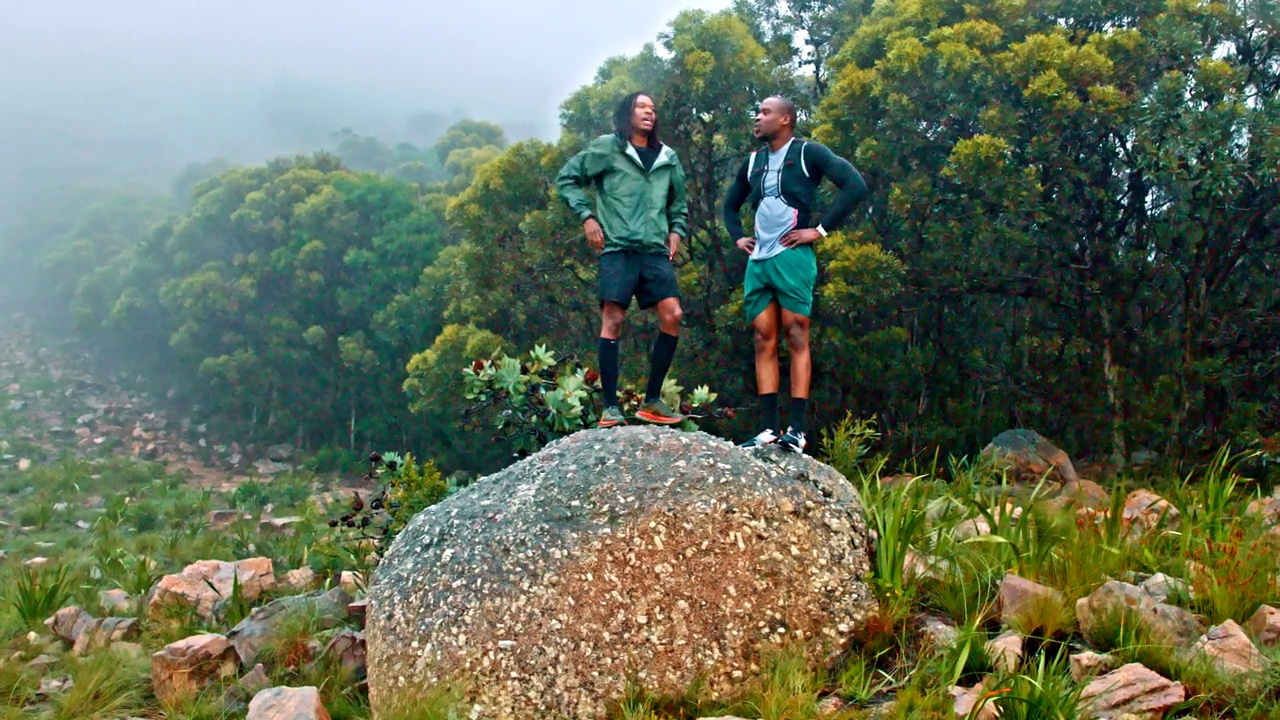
[92, 92]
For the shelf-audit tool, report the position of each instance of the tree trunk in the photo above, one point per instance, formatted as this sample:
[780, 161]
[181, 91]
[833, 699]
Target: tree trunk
[1191, 304]
[351, 441]
[1115, 395]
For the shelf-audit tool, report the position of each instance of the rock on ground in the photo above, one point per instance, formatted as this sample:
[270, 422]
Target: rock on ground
[657, 553]
[1027, 457]
[1134, 691]
[204, 585]
[182, 669]
[326, 610]
[284, 703]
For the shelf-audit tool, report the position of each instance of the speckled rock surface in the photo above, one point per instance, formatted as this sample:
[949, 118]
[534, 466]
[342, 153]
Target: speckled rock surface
[644, 552]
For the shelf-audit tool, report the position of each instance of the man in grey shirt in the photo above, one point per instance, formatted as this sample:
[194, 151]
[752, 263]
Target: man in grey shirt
[781, 183]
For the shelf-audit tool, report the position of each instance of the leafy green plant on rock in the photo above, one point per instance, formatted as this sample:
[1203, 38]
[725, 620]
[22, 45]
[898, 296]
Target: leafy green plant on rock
[537, 398]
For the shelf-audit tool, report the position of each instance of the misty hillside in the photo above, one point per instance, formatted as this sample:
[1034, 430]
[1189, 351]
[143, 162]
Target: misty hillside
[99, 94]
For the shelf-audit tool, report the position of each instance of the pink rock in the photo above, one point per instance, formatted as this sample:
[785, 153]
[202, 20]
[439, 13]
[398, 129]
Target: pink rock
[1145, 510]
[1132, 690]
[347, 649]
[285, 703]
[183, 668]
[1005, 652]
[1265, 626]
[1231, 650]
[1019, 596]
[967, 700]
[203, 584]
[1087, 665]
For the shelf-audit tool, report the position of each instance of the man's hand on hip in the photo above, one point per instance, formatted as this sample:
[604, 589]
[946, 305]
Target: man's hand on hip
[595, 235]
[747, 244]
[800, 237]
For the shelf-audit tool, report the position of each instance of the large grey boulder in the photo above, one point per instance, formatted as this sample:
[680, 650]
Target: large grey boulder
[654, 554]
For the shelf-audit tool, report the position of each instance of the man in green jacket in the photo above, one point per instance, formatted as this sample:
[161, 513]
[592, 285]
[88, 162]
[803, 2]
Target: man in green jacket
[637, 223]
[781, 183]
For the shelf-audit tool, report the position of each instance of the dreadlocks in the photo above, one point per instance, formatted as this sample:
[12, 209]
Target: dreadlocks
[622, 119]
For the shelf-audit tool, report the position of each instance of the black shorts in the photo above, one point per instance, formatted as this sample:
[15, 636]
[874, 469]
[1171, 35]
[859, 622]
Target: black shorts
[649, 277]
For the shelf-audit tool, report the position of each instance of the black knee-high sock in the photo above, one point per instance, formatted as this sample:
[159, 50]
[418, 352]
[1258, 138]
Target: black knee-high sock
[664, 350]
[769, 408]
[609, 371]
[798, 406]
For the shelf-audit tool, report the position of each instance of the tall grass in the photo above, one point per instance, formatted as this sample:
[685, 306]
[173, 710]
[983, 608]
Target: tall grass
[1021, 541]
[1044, 691]
[36, 593]
[442, 702]
[788, 688]
[105, 685]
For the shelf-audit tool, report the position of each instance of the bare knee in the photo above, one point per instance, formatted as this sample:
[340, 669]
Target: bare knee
[671, 316]
[797, 335]
[677, 315]
[766, 339]
[611, 319]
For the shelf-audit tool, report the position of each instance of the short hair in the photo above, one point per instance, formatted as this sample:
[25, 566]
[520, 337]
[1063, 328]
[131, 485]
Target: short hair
[622, 119]
[788, 107]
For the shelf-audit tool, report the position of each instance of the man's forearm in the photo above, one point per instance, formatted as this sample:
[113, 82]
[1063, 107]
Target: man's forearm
[731, 210]
[852, 188]
[569, 186]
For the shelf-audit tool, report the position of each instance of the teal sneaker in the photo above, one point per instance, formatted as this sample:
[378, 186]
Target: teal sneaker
[612, 416]
[657, 412]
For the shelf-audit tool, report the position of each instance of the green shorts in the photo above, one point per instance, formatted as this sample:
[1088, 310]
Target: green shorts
[787, 277]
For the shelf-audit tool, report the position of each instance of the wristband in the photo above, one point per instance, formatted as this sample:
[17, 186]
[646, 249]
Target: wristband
[821, 231]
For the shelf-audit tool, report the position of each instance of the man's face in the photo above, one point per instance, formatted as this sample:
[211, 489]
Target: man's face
[643, 115]
[770, 119]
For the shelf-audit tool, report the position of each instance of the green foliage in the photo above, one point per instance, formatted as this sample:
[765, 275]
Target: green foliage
[361, 536]
[410, 487]
[1128, 157]
[235, 607]
[17, 685]
[436, 396]
[1072, 226]
[288, 648]
[335, 460]
[403, 162]
[36, 593]
[788, 687]
[535, 398]
[1024, 539]
[964, 588]
[1228, 576]
[441, 702]
[1210, 502]
[250, 495]
[1044, 691]
[105, 685]
[847, 443]
[860, 681]
[120, 568]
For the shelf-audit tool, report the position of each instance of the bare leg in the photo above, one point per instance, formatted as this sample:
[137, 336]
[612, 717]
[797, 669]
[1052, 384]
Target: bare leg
[796, 328]
[612, 316]
[765, 326]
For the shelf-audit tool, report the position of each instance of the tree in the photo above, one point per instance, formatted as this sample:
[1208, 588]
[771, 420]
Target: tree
[1038, 173]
